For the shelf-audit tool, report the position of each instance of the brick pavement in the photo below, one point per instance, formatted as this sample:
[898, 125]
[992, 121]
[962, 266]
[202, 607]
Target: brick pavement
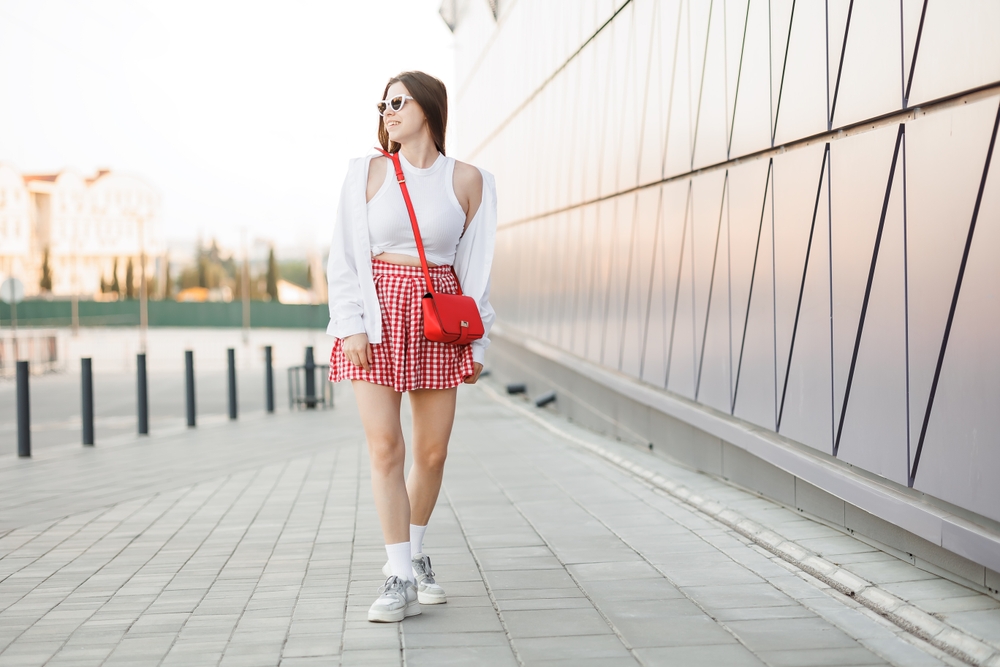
[257, 543]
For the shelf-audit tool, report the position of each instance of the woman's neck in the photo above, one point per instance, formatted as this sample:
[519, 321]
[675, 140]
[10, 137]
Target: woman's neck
[420, 151]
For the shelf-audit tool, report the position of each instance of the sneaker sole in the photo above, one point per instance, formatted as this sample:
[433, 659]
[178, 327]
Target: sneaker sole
[388, 616]
[427, 598]
[413, 608]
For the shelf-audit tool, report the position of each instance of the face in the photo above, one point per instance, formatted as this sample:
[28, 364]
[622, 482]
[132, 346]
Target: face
[406, 123]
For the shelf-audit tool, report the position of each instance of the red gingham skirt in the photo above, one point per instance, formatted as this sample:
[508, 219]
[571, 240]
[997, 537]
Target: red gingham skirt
[405, 360]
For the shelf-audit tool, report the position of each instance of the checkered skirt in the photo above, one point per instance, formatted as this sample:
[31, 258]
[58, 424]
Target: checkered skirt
[405, 359]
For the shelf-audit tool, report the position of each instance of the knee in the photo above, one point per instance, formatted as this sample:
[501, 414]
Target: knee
[432, 458]
[387, 456]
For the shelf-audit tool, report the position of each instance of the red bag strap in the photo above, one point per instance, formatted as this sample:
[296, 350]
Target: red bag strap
[401, 179]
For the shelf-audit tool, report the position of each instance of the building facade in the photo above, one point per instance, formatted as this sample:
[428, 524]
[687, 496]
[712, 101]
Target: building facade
[774, 221]
[89, 227]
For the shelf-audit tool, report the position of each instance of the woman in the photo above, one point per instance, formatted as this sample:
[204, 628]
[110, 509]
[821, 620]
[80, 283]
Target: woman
[376, 285]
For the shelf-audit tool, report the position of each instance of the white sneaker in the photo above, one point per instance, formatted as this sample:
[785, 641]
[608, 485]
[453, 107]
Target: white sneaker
[428, 591]
[398, 600]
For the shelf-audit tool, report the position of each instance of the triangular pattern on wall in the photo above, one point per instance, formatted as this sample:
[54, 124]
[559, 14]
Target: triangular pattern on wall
[795, 208]
[805, 407]
[871, 431]
[754, 385]
[707, 207]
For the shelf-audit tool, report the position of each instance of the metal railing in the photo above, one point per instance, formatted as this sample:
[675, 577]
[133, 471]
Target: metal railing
[39, 347]
[302, 395]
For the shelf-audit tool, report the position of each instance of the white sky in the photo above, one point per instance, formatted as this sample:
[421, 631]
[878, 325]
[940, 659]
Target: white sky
[241, 114]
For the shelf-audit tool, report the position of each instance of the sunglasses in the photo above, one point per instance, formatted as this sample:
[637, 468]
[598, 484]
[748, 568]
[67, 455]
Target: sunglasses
[396, 103]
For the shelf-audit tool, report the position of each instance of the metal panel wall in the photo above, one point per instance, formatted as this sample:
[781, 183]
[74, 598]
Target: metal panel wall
[738, 201]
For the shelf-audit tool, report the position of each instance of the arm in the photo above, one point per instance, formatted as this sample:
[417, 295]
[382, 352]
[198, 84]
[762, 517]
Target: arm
[475, 251]
[344, 289]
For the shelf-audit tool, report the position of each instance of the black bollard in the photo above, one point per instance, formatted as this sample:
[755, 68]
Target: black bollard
[269, 379]
[87, 400]
[517, 388]
[310, 369]
[189, 376]
[142, 394]
[23, 411]
[232, 382]
[545, 399]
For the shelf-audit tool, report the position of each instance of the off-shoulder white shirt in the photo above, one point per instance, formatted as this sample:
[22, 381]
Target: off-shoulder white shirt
[354, 306]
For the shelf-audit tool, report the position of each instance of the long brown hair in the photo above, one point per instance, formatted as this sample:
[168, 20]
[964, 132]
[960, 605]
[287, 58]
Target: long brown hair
[432, 97]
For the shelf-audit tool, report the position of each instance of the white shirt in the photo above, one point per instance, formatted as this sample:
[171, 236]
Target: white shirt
[354, 306]
[439, 215]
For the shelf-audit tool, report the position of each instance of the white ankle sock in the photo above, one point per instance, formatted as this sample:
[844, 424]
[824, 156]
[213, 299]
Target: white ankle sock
[399, 560]
[417, 539]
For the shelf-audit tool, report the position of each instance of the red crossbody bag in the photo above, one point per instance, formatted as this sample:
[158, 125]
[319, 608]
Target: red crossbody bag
[448, 318]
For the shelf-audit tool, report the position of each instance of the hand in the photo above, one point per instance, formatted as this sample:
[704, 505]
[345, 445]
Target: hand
[358, 351]
[477, 369]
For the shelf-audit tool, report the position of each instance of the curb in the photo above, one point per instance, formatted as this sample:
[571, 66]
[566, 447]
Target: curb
[913, 620]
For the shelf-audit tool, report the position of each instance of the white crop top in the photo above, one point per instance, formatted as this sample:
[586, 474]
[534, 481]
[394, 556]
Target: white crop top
[439, 214]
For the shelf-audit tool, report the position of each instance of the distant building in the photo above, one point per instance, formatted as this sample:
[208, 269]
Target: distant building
[85, 224]
[291, 293]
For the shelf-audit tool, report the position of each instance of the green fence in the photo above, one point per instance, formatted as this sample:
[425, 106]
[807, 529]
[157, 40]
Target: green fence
[166, 314]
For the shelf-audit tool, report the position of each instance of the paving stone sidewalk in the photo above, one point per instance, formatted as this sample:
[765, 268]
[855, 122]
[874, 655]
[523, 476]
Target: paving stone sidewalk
[257, 543]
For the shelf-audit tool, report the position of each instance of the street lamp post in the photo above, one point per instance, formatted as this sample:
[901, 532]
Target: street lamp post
[12, 291]
[143, 301]
[245, 287]
[75, 299]
[75, 312]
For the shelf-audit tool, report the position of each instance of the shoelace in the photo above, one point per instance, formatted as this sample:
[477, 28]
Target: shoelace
[393, 582]
[425, 568]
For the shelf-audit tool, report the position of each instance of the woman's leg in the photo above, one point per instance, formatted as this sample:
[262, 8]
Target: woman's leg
[379, 408]
[433, 415]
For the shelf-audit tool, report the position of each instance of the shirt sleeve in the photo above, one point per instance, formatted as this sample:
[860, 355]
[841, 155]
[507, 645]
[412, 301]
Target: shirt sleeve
[474, 261]
[343, 286]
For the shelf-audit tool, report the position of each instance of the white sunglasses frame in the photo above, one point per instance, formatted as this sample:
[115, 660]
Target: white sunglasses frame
[388, 106]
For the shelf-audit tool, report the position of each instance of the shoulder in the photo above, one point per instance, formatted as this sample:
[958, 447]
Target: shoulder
[468, 179]
[357, 167]
[378, 164]
[376, 175]
[360, 164]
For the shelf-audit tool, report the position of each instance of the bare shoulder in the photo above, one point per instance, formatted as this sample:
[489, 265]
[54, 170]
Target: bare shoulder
[468, 181]
[468, 189]
[376, 175]
[376, 170]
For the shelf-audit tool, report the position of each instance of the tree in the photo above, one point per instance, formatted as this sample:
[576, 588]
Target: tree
[168, 284]
[129, 280]
[201, 262]
[272, 276]
[46, 282]
[115, 287]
